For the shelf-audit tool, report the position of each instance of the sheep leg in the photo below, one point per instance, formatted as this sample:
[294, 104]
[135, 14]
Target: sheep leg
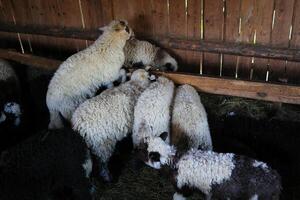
[122, 75]
[105, 174]
[178, 196]
[208, 197]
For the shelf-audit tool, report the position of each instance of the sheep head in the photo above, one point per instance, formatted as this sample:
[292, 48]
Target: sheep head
[118, 28]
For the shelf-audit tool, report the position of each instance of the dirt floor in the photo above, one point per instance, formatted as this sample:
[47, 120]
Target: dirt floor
[265, 131]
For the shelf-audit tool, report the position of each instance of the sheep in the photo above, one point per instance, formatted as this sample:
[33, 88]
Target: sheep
[142, 53]
[79, 77]
[152, 111]
[54, 164]
[193, 127]
[108, 118]
[10, 109]
[216, 175]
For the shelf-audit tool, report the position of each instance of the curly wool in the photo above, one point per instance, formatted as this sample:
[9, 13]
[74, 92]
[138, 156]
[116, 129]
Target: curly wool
[202, 169]
[108, 118]
[189, 119]
[139, 51]
[152, 111]
[6, 71]
[81, 74]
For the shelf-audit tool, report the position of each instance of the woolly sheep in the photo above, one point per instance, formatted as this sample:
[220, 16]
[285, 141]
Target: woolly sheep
[189, 120]
[10, 109]
[79, 77]
[152, 111]
[49, 165]
[108, 118]
[142, 53]
[217, 175]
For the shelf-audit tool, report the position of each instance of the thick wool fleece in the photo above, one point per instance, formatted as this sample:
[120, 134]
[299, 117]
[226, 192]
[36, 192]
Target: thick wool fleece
[203, 169]
[144, 53]
[152, 111]
[227, 176]
[9, 95]
[81, 74]
[189, 120]
[108, 118]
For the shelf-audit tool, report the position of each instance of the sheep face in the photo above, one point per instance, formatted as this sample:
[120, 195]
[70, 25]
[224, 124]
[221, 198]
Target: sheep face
[165, 62]
[140, 75]
[119, 28]
[156, 152]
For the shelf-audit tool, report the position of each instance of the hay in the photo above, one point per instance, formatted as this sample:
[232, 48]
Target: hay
[223, 106]
[145, 183]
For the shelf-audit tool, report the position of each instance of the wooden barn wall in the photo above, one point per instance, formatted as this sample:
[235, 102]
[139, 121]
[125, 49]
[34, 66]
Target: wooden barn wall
[274, 23]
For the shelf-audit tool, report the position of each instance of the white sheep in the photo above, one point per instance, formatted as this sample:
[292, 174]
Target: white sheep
[152, 111]
[10, 109]
[108, 118]
[189, 120]
[83, 73]
[51, 164]
[140, 53]
[217, 175]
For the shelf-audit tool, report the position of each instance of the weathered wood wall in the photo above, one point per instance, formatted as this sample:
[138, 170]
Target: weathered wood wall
[274, 23]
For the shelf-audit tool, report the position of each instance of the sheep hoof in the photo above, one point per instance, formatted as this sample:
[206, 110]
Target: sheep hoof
[106, 176]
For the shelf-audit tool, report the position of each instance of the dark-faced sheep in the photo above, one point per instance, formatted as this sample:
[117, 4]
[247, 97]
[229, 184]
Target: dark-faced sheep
[140, 53]
[216, 175]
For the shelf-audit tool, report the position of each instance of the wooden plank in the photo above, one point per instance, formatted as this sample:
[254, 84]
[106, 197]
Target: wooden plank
[248, 89]
[160, 18]
[280, 36]
[250, 50]
[232, 20]
[239, 88]
[8, 39]
[263, 26]
[247, 14]
[193, 59]
[29, 59]
[293, 68]
[137, 13]
[178, 29]
[213, 31]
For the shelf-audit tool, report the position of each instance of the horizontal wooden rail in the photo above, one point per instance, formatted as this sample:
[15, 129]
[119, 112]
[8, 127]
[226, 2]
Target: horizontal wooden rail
[194, 45]
[232, 87]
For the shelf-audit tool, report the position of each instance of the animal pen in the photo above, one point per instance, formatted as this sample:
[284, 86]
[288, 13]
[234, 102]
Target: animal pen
[242, 55]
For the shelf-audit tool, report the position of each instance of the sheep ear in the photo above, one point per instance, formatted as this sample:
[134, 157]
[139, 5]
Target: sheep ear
[103, 28]
[164, 136]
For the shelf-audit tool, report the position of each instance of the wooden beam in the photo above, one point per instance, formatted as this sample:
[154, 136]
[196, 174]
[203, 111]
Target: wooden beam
[194, 45]
[239, 88]
[231, 87]
[28, 59]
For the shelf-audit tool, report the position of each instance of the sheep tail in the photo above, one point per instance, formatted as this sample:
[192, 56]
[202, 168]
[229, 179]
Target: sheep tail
[56, 121]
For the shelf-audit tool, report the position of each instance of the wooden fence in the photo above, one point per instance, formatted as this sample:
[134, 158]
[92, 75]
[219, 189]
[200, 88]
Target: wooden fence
[241, 39]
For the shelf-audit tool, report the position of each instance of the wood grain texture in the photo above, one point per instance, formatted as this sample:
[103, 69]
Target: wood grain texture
[193, 59]
[232, 20]
[178, 29]
[213, 31]
[263, 24]
[248, 89]
[247, 14]
[280, 36]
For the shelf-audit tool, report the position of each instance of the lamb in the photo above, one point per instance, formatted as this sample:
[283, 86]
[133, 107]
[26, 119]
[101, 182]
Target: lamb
[217, 175]
[189, 121]
[142, 53]
[108, 118]
[54, 164]
[152, 112]
[79, 77]
[10, 109]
